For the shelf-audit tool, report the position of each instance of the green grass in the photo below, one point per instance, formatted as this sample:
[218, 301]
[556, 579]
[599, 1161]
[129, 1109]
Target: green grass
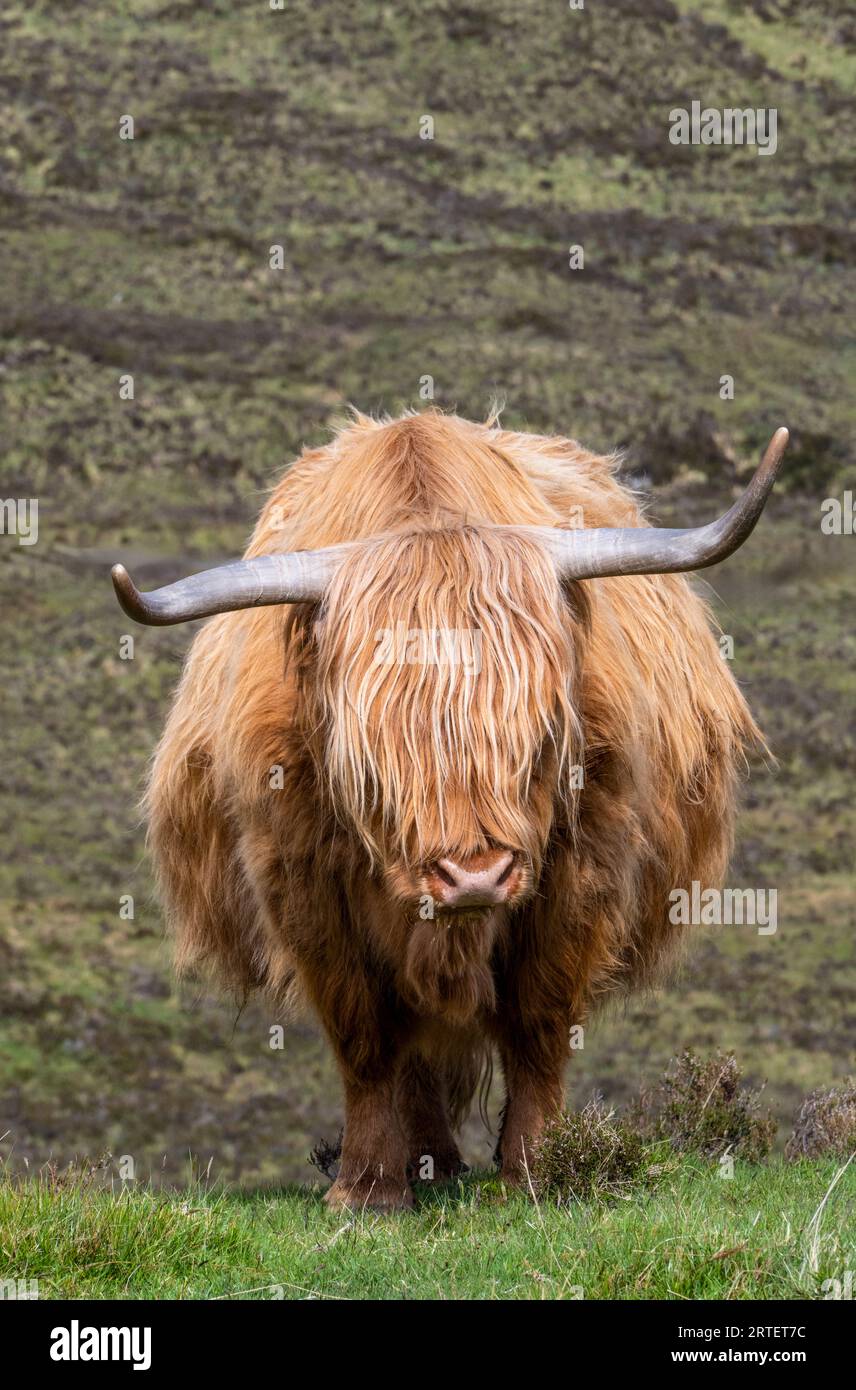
[765, 1233]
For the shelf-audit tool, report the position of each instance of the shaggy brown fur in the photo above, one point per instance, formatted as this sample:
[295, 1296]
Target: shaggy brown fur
[303, 788]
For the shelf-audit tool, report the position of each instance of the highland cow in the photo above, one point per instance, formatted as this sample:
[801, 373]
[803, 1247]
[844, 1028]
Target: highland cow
[446, 859]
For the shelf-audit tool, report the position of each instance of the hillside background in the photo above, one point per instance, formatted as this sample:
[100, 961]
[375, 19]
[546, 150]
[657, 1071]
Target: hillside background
[403, 258]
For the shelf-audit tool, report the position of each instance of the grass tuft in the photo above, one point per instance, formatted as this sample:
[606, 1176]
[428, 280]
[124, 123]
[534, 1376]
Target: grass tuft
[590, 1154]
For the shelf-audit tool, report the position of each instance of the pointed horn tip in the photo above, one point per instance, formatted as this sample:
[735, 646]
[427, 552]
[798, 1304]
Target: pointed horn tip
[126, 591]
[780, 439]
[771, 461]
[121, 579]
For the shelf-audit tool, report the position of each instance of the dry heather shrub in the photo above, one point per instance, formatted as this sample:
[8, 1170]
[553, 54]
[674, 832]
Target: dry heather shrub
[326, 1156]
[826, 1124]
[700, 1107]
[590, 1154]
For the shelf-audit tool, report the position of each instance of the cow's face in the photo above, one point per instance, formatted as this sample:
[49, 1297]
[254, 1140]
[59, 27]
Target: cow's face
[446, 672]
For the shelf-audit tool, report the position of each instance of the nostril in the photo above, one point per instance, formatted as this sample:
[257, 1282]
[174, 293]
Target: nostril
[506, 873]
[443, 876]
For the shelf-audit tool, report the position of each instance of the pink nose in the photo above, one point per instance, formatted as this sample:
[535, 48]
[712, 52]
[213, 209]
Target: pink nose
[483, 880]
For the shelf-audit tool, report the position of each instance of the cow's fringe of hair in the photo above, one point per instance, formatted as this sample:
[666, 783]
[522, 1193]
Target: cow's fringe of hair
[422, 756]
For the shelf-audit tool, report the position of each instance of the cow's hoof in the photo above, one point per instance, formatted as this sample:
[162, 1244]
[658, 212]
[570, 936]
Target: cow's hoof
[443, 1168]
[367, 1194]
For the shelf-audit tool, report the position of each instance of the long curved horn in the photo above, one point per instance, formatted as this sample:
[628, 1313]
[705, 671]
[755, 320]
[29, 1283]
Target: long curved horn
[298, 577]
[603, 551]
[303, 575]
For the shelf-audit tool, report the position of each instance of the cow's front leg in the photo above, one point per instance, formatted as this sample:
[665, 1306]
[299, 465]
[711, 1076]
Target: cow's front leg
[422, 1102]
[373, 1169]
[534, 1065]
[369, 1031]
